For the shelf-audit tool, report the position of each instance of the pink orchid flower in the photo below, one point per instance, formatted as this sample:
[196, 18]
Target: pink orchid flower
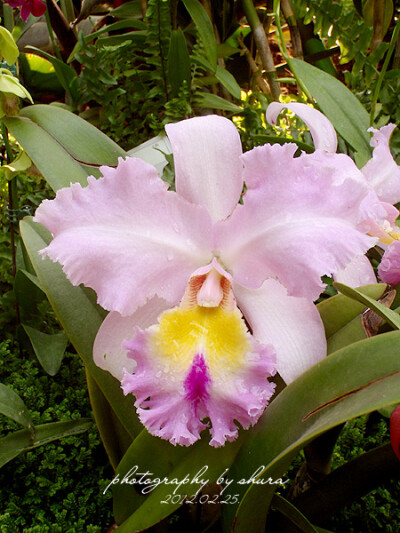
[36, 7]
[382, 174]
[205, 293]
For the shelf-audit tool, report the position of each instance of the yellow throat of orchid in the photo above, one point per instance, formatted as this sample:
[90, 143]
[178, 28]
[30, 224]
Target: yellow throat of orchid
[389, 233]
[206, 322]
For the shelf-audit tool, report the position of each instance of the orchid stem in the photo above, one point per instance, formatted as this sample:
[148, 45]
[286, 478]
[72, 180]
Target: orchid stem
[11, 207]
[293, 28]
[51, 35]
[382, 73]
[283, 49]
[263, 47]
[8, 17]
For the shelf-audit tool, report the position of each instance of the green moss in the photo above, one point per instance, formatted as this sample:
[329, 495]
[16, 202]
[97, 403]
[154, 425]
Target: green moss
[57, 488]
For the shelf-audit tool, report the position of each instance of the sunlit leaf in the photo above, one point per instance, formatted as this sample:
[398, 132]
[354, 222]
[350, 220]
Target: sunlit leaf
[8, 48]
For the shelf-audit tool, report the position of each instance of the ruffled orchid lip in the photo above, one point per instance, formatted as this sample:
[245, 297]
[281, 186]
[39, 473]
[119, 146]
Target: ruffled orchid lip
[214, 362]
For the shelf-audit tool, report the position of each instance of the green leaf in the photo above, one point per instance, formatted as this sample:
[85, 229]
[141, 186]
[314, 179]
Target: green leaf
[118, 40]
[153, 151]
[115, 438]
[52, 160]
[338, 310]
[81, 327]
[64, 147]
[178, 63]
[148, 453]
[13, 407]
[28, 293]
[162, 460]
[358, 379]
[19, 164]
[293, 514]
[390, 316]
[204, 27]
[121, 24]
[127, 10]
[212, 101]
[21, 441]
[8, 48]
[49, 349]
[339, 104]
[351, 332]
[226, 50]
[39, 74]
[10, 84]
[85, 143]
[228, 81]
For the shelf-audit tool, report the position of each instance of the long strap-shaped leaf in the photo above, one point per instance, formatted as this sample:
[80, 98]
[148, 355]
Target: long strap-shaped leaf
[390, 316]
[339, 104]
[80, 318]
[353, 381]
[64, 147]
[20, 441]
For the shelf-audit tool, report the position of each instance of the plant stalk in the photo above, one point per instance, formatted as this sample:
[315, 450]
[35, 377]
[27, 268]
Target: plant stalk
[382, 73]
[293, 28]
[12, 198]
[283, 49]
[263, 47]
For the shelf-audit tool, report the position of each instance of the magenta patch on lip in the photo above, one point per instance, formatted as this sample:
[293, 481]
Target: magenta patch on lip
[196, 381]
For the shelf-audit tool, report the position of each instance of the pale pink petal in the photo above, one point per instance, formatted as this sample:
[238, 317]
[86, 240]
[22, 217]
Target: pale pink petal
[391, 213]
[208, 170]
[178, 390]
[108, 352]
[298, 221]
[126, 236]
[357, 273]
[291, 325]
[322, 131]
[381, 171]
[384, 230]
[389, 268]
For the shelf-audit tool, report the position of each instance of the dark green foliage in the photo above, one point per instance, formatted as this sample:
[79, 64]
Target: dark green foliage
[340, 21]
[132, 85]
[56, 488]
[378, 510]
